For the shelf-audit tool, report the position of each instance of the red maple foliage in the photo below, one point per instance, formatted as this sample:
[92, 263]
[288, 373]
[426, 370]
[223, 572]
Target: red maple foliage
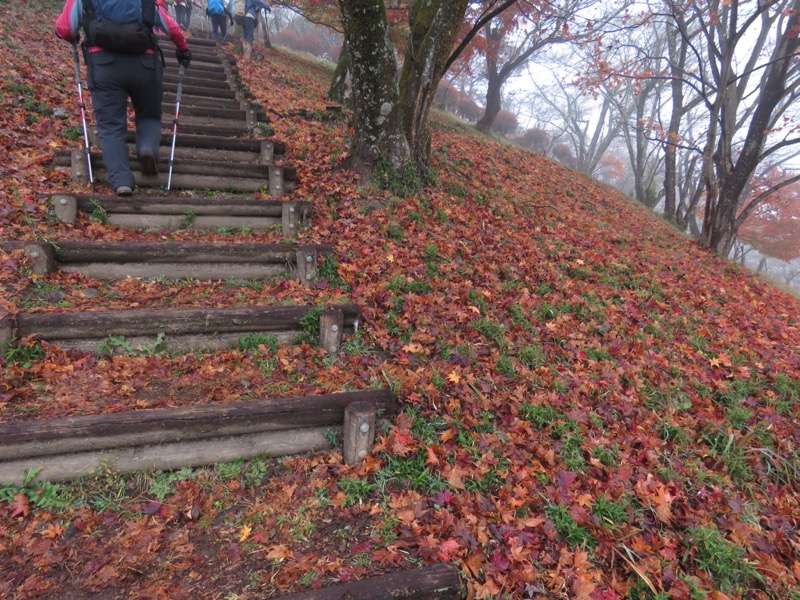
[593, 407]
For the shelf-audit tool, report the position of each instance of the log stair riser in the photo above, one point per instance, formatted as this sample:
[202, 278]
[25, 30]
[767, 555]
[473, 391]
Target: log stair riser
[179, 329]
[168, 439]
[111, 261]
[185, 213]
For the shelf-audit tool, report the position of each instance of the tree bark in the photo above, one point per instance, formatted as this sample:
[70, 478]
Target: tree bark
[727, 179]
[434, 26]
[378, 131]
[338, 91]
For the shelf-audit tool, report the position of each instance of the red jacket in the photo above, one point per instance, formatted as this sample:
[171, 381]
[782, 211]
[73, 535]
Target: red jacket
[68, 25]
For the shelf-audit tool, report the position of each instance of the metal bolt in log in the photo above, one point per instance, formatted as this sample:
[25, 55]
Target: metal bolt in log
[331, 325]
[79, 167]
[359, 431]
[267, 152]
[306, 264]
[65, 208]
[42, 255]
[276, 181]
[290, 219]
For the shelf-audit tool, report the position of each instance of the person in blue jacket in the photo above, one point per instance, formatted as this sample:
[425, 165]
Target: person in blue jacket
[220, 13]
[248, 21]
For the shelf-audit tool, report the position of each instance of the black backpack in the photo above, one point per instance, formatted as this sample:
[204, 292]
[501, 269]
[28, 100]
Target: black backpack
[124, 26]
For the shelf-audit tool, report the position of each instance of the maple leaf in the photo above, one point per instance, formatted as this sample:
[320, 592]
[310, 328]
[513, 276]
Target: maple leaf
[244, 533]
[432, 458]
[454, 377]
[52, 531]
[455, 477]
[279, 552]
[447, 549]
[500, 562]
[443, 498]
[20, 506]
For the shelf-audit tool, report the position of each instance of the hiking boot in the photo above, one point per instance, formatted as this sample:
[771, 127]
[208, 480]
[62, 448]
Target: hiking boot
[124, 190]
[149, 163]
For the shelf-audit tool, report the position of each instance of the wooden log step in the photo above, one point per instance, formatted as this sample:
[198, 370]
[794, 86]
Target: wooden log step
[210, 142]
[110, 261]
[169, 439]
[197, 82]
[190, 100]
[174, 330]
[200, 42]
[227, 130]
[200, 167]
[197, 76]
[201, 64]
[118, 260]
[199, 90]
[436, 582]
[58, 326]
[67, 252]
[211, 113]
[195, 174]
[168, 213]
[206, 112]
[183, 152]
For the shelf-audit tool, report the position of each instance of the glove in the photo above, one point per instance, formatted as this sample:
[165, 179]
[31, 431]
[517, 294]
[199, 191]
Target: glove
[184, 57]
[230, 20]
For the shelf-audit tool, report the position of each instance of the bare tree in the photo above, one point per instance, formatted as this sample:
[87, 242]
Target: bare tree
[575, 120]
[748, 78]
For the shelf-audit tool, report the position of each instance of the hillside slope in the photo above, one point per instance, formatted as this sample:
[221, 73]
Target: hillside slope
[594, 407]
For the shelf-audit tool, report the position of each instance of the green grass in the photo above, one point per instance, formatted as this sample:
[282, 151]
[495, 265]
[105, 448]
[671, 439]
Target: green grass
[724, 561]
[573, 534]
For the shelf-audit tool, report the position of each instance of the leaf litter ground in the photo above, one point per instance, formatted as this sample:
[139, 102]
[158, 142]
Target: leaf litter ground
[593, 406]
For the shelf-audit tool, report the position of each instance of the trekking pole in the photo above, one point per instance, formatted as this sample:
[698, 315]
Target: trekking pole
[83, 109]
[181, 71]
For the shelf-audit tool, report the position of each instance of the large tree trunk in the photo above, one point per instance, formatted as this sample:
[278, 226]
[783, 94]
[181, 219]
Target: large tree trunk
[378, 131]
[338, 92]
[434, 26]
[726, 179]
[493, 103]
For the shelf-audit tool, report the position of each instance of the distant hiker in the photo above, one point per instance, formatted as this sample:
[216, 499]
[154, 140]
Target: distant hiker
[245, 13]
[122, 60]
[183, 13]
[220, 13]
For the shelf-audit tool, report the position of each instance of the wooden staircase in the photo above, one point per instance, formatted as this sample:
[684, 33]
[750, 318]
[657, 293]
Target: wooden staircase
[223, 145]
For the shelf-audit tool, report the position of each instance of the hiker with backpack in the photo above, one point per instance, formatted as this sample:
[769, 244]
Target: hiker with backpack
[245, 13]
[123, 60]
[183, 13]
[220, 13]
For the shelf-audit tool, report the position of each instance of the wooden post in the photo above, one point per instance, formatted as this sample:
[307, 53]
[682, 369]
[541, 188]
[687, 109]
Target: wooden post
[65, 208]
[6, 330]
[267, 152]
[251, 116]
[276, 186]
[359, 431]
[80, 171]
[306, 264]
[331, 324]
[42, 255]
[290, 219]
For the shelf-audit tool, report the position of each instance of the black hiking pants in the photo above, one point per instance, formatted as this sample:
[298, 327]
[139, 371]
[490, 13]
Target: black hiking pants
[114, 78]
